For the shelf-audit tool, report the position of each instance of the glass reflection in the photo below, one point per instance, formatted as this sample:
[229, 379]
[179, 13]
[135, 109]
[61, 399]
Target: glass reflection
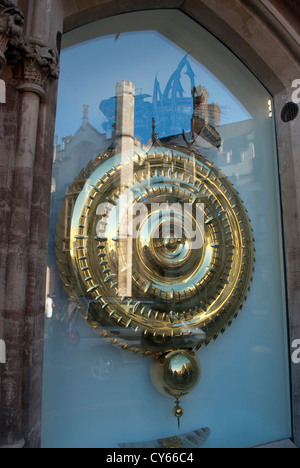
[90, 386]
[180, 371]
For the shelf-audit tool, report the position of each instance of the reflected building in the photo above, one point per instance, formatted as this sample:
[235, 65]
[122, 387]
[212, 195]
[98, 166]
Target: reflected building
[75, 156]
[172, 108]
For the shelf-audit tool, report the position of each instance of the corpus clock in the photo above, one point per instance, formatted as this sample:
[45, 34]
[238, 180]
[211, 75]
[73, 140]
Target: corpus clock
[158, 250]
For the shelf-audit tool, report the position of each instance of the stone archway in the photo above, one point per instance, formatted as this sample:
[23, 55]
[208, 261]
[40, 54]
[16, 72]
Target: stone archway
[244, 26]
[262, 33]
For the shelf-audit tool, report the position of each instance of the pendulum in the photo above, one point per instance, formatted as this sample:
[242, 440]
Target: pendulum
[178, 412]
[159, 295]
[176, 374]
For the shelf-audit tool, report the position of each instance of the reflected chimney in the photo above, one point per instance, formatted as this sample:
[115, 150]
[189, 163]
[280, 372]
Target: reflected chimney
[125, 108]
[125, 103]
[85, 118]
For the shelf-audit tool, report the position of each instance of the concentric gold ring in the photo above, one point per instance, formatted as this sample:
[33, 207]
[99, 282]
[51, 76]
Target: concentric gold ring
[183, 293]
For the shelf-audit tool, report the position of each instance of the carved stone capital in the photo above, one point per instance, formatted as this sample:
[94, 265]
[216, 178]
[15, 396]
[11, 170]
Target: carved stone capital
[40, 63]
[11, 28]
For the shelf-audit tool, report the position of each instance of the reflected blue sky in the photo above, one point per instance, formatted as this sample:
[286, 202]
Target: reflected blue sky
[80, 410]
[91, 70]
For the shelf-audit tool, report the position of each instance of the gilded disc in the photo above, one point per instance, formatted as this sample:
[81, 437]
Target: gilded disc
[190, 260]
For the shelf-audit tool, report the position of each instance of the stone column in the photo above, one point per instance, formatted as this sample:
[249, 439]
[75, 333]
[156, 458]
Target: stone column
[11, 29]
[288, 139]
[16, 272]
[22, 310]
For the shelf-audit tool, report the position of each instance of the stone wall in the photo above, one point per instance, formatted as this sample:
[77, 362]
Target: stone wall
[27, 126]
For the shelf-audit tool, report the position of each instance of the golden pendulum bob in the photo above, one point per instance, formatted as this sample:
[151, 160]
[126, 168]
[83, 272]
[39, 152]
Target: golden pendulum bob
[176, 374]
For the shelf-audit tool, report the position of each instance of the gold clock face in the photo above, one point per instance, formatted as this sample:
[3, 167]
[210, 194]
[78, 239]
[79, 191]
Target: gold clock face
[161, 249]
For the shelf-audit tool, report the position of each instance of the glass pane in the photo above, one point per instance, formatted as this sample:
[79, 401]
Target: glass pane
[165, 190]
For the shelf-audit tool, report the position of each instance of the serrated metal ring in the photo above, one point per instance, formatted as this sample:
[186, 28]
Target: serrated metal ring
[182, 296]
